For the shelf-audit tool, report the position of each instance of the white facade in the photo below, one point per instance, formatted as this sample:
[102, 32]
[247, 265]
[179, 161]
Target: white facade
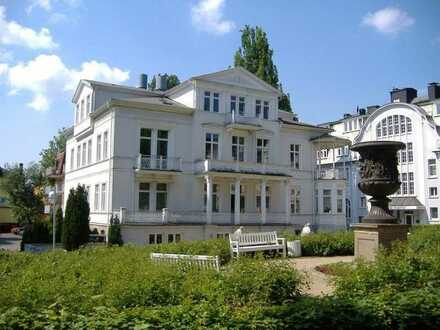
[197, 160]
[416, 125]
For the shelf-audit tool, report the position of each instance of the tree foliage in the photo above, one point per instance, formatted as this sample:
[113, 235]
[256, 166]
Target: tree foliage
[114, 232]
[23, 189]
[56, 145]
[172, 81]
[58, 224]
[255, 55]
[76, 221]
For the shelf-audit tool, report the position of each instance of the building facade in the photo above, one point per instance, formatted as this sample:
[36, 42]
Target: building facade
[198, 160]
[409, 119]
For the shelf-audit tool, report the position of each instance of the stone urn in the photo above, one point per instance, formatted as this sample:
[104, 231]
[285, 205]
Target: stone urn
[379, 177]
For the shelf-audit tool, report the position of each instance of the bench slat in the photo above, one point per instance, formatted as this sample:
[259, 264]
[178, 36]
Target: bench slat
[201, 261]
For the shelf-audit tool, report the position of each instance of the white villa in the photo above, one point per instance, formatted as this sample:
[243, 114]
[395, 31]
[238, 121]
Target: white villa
[407, 118]
[198, 160]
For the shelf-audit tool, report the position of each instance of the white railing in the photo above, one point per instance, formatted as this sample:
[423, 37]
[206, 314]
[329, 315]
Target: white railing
[330, 174]
[240, 167]
[159, 163]
[234, 118]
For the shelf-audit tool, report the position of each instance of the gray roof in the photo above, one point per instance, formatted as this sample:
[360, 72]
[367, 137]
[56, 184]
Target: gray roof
[399, 202]
[157, 100]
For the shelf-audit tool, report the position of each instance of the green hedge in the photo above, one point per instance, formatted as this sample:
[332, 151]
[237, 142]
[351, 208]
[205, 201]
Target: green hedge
[323, 244]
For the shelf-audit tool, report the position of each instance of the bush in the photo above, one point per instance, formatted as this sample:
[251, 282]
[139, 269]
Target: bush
[114, 232]
[323, 244]
[38, 232]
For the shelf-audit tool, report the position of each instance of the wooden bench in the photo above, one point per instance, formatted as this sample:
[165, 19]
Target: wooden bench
[254, 242]
[202, 262]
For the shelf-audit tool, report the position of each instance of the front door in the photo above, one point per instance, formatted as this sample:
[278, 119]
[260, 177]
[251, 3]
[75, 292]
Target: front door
[409, 219]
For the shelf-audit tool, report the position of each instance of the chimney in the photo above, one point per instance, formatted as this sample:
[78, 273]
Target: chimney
[143, 81]
[161, 82]
[433, 91]
[403, 95]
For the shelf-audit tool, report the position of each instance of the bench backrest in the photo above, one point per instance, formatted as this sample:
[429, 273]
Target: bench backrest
[263, 238]
[199, 261]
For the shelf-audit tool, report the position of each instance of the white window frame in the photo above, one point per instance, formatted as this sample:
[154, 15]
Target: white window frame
[258, 198]
[215, 197]
[433, 192]
[84, 154]
[89, 151]
[78, 156]
[144, 190]
[295, 201]
[96, 199]
[98, 147]
[264, 150]
[156, 239]
[432, 167]
[327, 196]
[239, 147]
[210, 141]
[339, 201]
[295, 156]
[103, 196]
[105, 145]
[431, 209]
[89, 104]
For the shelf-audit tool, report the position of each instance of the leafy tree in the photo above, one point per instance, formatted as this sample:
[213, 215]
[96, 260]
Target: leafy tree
[172, 80]
[284, 101]
[22, 189]
[114, 232]
[56, 145]
[255, 55]
[76, 221]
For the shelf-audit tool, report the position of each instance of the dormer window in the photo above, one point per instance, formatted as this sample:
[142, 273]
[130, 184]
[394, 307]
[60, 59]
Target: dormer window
[82, 110]
[257, 108]
[89, 104]
[241, 105]
[211, 101]
[258, 105]
[77, 118]
[266, 110]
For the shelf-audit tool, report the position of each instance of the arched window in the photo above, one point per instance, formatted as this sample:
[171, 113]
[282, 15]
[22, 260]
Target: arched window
[393, 125]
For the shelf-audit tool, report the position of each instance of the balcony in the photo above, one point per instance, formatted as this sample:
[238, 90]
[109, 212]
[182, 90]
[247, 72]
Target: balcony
[211, 165]
[154, 163]
[235, 121]
[330, 174]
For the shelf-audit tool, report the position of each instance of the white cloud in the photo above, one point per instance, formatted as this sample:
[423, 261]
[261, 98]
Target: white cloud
[389, 20]
[207, 15]
[12, 33]
[5, 55]
[47, 5]
[46, 77]
[3, 68]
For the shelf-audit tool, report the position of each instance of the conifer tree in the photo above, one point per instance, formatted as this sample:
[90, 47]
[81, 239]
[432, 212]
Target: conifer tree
[255, 55]
[59, 224]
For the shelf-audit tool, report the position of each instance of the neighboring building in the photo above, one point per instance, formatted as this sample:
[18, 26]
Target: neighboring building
[7, 220]
[412, 120]
[198, 160]
[56, 173]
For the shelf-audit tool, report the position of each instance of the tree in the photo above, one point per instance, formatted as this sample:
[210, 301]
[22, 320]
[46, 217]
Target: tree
[172, 80]
[284, 101]
[114, 232]
[23, 191]
[76, 221]
[255, 55]
[59, 225]
[56, 145]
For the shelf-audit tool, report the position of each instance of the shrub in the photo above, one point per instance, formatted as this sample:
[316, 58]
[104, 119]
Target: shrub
[76, 222]
[59, 224]
[337, 243]
[114, 232]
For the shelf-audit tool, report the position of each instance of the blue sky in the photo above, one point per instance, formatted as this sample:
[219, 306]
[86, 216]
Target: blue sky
[331, 55]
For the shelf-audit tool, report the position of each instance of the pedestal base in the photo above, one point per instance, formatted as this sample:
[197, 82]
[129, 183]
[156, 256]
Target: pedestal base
[369, 236]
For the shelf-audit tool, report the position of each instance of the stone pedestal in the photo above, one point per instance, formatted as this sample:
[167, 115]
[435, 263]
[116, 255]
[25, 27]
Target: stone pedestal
[369, 236]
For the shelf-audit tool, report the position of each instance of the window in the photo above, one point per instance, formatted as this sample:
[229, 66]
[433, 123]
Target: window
[295, 206]
[363, 202]
[89, 105]
[72, 158]
[89, 151]
[378, 130]
[316, 202]
[88, 194]
[242, 198]
[145, 142]
[162, 143]
[434, 212]
[215, 103]
[339, 200]
[173, 238]
[396, 124]
[98, 148]
[78, 157]
[432, 191]
[161, 196]
[238, 148]
[266, 110]
[223, 235]
[262, 150]
[144, 196]
[207, 101]
[408, 125]
[211, 146]
[82, 110]
[323, 153]
[258, 198]
[241, 105]
[411, 183]
[105, 146]
[404, 184]
[96, 205]
[403, 154]
[390, 125]
[327, 200]
[409, 149]
[215, 203]
[257, 108]
[77, 114]
[103, 197]
[155, 239]
[393, 125]
[84, 152]
[432, 167]
[294, 156]
[233, 103]
[402, 124]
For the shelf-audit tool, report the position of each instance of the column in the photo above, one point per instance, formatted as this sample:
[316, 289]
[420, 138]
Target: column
[287, 194]
[263, 201]
[237, 202]
[208, 180]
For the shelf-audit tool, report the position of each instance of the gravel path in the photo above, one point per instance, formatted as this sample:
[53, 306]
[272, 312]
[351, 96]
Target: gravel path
[318, 282]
